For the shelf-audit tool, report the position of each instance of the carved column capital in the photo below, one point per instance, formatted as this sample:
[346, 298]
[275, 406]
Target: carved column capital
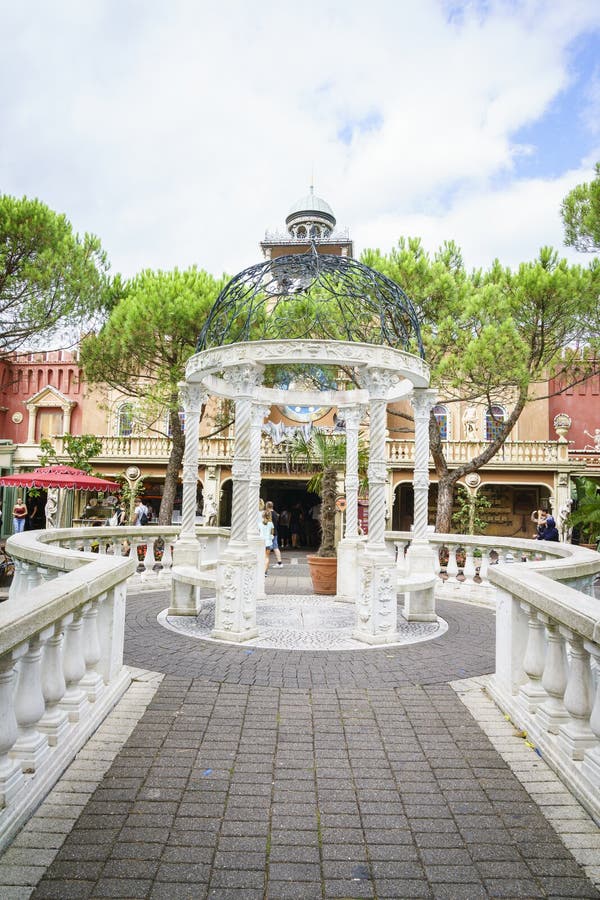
[422, 401]
[378, 382]
[192, 397]
[352, 415]
[244, 378]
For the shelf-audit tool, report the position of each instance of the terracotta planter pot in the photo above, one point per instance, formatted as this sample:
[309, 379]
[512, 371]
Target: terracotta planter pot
[323, 571]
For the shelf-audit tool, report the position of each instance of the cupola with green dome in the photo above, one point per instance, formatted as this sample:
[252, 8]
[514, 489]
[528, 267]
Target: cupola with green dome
[309, 221]
[310, 218]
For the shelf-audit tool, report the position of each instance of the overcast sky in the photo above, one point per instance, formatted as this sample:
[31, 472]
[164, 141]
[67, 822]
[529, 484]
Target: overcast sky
[179, 130]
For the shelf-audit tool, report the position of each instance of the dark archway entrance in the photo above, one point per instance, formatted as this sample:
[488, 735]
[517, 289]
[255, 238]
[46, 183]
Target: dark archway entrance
[291, 495]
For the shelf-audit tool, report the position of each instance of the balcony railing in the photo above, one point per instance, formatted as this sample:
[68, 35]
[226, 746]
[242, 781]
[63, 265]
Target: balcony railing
[400, 453]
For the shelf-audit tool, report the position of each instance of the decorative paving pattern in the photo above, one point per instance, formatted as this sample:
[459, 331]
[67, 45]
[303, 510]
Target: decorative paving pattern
[301, 622]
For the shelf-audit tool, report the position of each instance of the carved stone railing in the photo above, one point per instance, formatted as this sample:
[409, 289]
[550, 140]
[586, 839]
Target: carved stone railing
[512, 453]
[547, 676]
[219, 449]
[61, 647]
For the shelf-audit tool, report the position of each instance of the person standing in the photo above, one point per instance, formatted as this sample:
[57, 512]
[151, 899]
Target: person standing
[283, 529]
[275, 520]
[140, 512]
[19, 516]
[266, 529]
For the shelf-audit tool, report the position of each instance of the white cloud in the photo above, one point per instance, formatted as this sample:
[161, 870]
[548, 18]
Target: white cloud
[178, 132]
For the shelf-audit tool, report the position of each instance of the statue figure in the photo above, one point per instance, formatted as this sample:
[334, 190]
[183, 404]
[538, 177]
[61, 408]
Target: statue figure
[52, 508]
[470, 423]
[210, 512]
[563, 514]
[596, 439]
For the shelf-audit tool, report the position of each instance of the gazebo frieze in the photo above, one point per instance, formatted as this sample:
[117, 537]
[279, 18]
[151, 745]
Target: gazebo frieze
[405, 369]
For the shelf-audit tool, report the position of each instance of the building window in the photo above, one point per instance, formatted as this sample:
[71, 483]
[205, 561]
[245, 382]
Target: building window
[181, 420]
[125, 420]
[441, 417]
[494, 419]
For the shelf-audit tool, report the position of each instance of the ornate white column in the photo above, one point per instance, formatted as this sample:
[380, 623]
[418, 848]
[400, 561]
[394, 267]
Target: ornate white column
[187, 548]
[420, 557]
[347, 570]
[376, 602]
[258, 414]
[235, 607]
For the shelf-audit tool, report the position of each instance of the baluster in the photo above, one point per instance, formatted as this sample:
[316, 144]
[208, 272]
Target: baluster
[55, 721]
[31, 746]
[469, 566]
[532, 694]
[11, 777]
[400, 557]
[75, 700]
[149, 560]
[18, 583]
[133, 554]
[484, 565]
[167, 558]
[452, 567]
[87, 545]
[590, 766]
[32, 576]
[45, 575]
[576, 736]
[552, 713]
[92, 682]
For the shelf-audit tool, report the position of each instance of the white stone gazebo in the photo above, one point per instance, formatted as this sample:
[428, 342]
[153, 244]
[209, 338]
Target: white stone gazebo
[232, 366]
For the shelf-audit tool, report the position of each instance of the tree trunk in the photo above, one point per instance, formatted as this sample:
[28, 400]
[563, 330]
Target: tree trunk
[447, 478]
[328, 494]
[173, 467]
[445, 504]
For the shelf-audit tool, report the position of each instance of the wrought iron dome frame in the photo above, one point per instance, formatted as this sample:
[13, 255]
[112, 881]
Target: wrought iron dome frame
[248, 302]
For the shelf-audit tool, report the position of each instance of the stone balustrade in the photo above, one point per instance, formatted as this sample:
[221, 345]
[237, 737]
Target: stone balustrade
[547, 676]
[220, 448]
[61, 646]
[512, 453]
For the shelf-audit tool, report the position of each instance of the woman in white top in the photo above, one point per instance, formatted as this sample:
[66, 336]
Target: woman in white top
[267, 531]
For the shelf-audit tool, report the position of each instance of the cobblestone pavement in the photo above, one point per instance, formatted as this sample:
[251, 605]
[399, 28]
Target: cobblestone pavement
[270, 774]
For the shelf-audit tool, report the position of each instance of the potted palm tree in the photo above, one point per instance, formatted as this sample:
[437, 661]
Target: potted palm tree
[326, 455]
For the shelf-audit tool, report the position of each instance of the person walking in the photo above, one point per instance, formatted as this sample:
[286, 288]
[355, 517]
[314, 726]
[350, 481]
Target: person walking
[140, 512]
[275, 520]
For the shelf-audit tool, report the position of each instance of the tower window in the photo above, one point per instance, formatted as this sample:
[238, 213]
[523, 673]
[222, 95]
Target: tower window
[441, 417]
[494, 419]
[301, 233]
[125, 420]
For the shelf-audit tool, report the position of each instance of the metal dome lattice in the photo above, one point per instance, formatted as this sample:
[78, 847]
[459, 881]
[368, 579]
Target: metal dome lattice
[312, 296]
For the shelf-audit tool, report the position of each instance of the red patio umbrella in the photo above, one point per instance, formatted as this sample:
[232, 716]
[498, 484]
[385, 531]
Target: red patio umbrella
[59, 477]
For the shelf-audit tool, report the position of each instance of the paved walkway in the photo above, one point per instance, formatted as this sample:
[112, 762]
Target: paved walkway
[274, 774]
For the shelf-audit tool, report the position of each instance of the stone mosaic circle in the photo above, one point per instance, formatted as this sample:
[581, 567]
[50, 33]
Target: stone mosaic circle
[301, 622]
